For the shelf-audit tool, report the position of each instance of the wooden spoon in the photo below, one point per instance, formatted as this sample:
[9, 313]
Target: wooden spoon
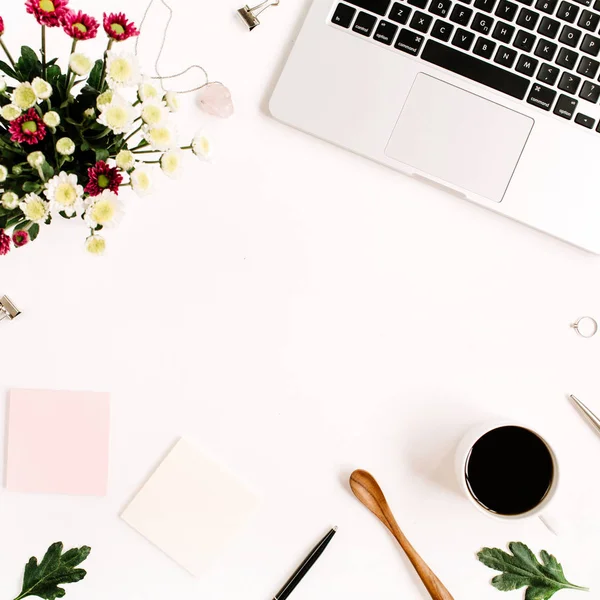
[367, 490]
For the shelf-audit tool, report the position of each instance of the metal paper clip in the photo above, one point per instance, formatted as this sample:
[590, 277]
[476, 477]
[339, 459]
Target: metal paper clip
[250, 15]
[7, 309]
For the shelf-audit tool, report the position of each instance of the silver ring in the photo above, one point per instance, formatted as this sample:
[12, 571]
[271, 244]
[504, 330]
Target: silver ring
[590, 327]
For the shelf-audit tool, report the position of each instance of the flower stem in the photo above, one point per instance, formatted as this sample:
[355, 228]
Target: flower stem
[103, 77]
[133, 133]
[144, 151]
[73, 45]
[44, 51]
[10, 58]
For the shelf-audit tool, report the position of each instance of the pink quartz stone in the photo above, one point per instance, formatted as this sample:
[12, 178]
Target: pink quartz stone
[215, 99]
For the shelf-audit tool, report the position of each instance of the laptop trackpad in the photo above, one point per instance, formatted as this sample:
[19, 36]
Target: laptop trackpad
[463, 139]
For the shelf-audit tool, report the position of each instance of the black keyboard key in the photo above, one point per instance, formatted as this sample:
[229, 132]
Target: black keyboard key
[590, 45]
[440, 7]
[505, 56]
[461, 14]
[598, 128]
[524, 40]
[421, 21]
[548, 74]
[541, 96]
[590, 91]
[463, 39]
[546, 6]
[503, 32]
[466, 1]
[484, 47]
[482, 23]
[545, 49]
[549, 27]
[475, 69]
[565, 107]
[569, 83]
[528, 19]
[385, 32]
[506, 10]
[588, 67]
[485, 5]
[527, 2]
[584, 120]
[442, 30]
[379, 7]
[343, 15]
[597, 5]
[418, 3]
[569, 36]
[567, 58]
[526, 65]
[567, 12]
[589, 20]
[400, 13]
[409, 42]
[584, 2]
[364, 24]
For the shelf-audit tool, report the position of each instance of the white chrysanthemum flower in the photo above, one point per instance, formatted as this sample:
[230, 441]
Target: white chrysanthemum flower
[125, 160]
[36, 159]
[3, 173]
[202, 146]
[24, 97]
[172, 101]
[95, 245]
[161, 137]
[80, 64]
[65, 146]
[118, 116]
[52, 119]
[122, 70]
[104, 99]
[35, 208]
[105, 209]
[3, 84]
[10, 112]
[64, 194]
[141, 181]
[148, 91]
[154, 112]
[42, 89]
[10, 200]
[89, 113]
[171, 163]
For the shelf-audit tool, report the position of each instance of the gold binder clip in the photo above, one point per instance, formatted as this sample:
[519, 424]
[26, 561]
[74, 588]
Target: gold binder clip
[250, 15]
[8, 310]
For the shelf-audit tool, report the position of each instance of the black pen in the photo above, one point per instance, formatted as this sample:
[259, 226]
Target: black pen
[303, 569]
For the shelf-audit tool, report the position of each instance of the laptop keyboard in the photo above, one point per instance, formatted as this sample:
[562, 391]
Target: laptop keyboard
[544, 52]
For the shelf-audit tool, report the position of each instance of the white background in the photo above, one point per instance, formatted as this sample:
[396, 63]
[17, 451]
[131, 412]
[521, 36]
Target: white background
[299, 312]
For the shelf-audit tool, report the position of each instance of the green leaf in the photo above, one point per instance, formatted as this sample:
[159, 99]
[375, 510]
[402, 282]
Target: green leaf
[34, 231]
[521, 569]
[31, 186]
[47, 170]
[101, 154]
[9, 70]
[96, 75]
[56, 568]
[28, 64]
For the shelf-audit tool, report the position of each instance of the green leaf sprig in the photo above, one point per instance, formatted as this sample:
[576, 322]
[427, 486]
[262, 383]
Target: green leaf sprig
[55, 569]
[522, 569]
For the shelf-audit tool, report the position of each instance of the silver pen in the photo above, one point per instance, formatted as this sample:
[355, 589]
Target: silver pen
[593, 419]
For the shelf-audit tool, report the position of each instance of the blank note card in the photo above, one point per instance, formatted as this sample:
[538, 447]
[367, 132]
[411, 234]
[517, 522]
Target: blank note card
[191, 508]
[58, 442]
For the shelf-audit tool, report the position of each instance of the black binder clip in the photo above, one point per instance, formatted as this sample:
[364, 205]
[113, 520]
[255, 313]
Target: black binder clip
[250, 15]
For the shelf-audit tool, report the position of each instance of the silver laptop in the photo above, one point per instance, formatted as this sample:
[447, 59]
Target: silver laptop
[495, 100]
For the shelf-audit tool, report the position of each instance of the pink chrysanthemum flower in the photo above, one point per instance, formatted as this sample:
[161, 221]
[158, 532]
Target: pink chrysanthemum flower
[20, 238]
[28, 128]
[80, 26]
[1, 25]
[118, 27]
[4, 243]
[103, 177]
[48, 12]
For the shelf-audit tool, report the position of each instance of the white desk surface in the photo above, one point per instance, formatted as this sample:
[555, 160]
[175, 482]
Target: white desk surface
[299, 312]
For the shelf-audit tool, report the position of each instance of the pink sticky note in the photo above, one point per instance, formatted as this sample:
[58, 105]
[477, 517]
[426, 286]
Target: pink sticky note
[58, 442]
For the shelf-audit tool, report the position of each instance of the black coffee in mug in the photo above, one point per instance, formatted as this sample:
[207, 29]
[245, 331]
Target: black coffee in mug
[510, 470]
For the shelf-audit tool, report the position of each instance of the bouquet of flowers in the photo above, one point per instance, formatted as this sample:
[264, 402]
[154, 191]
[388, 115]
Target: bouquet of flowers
[70, 141]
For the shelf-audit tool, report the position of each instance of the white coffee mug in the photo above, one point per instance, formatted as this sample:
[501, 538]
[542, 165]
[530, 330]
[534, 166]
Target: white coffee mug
[462, 460]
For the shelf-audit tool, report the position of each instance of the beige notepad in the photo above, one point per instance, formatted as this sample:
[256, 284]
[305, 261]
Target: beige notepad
[191, 508]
